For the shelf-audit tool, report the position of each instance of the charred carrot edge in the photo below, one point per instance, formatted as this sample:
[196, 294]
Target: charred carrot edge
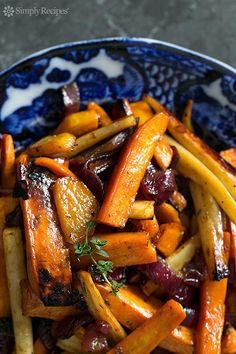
[212, 311]
[39, 347]
[187, 116]
[170, 235]
[8, 176]
[57, 168]
[104, 118]
[148, 336]
[163, 154]
[130, 170]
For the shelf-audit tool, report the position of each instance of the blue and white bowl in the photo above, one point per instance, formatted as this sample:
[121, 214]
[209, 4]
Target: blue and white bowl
[109, 69]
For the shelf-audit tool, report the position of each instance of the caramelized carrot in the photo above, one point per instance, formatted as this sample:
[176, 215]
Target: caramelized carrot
[8, 174]
[170, 236]
[47, 258]
[78, 123]
[163, 154]
[212, 311]
[57, 168]
[141, 110]
[124, 249]
[149, 226]
[167, 213]
[131, 167]
[104, 118]
[148, 336]
[229, 156]
[211, 317]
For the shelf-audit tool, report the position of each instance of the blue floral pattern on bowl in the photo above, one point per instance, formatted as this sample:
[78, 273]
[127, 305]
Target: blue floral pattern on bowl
[108, 69]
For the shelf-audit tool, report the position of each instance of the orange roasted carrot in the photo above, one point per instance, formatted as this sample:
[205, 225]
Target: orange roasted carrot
[39, 347]
[167, 213]
[57, 168]
[131, 167]
[212, 311]
[79, 123]
[148, 336]
[228, 345]
[48, 265]
[149, 226]
[124, 249]
[170, 236]
[131, 308]
[141, 110]
[8, 173]
[163, 154]
[104, 118]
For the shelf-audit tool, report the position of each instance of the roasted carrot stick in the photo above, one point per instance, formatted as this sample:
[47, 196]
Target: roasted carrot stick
[104, 118]
[78, 123]
[167, 213]
[48, 264]
[54, 166]
[211, 317]
[131, 308]
[170, 235]
[149, 226]
[229, 156]
[212, 310]
[141, 110]
[131, 167]
[8, 173]
[124, 249]
[148, 336]
[163, 154]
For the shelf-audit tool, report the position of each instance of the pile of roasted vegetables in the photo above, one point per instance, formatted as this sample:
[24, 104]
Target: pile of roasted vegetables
[117, 236]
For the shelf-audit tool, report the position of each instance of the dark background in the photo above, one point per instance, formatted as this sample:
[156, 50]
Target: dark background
[208, 26]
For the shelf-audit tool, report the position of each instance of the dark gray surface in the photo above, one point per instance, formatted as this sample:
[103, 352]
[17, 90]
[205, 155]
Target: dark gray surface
[207, 26]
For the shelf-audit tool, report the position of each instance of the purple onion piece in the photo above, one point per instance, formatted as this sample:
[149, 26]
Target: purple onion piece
[193, 277]
[94, 341]
[168, 281]
[175, 157]
[230, 317]
[45, 334]
[103, 327]
[158, 185]
[71, 98]
[14, 219]
[92, 181]
[6, 336]
[191, 317]
[69, 325]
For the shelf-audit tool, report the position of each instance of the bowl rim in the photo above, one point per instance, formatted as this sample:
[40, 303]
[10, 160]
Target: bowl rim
[174, 48]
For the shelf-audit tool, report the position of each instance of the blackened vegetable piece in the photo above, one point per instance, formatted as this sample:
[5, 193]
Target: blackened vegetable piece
[48, 264]
[6, 336]
[158, 185]
[66, 328]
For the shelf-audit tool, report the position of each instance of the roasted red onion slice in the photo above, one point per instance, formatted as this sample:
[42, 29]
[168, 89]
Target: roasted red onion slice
[170, 282]
[69, 325]
[94, 341]
[71, 98]
[158, 185]
[92, 181]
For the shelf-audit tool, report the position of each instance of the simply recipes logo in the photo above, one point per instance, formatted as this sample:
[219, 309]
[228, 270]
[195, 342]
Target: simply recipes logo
[10, 11]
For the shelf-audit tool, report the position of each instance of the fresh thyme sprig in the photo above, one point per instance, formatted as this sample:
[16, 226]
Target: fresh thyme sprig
[93, 245]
